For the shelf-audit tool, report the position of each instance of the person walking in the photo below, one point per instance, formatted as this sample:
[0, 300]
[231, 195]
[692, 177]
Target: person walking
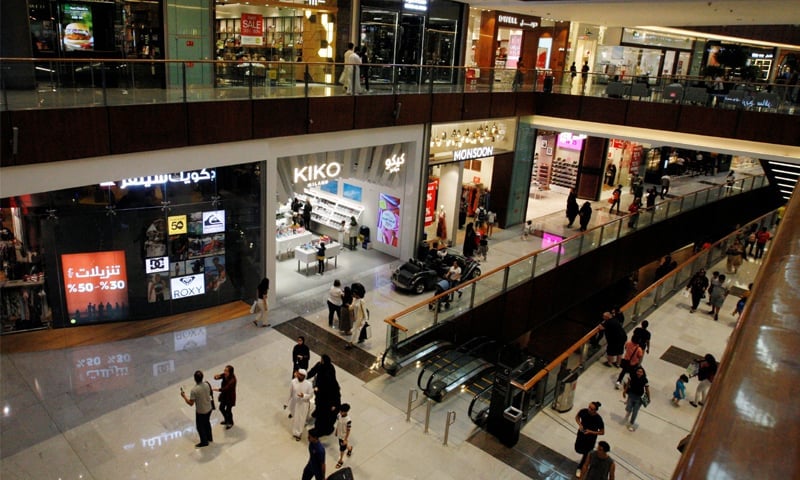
[633, 209]
[315, 468]
[680, 390]
[261, 303]
[641, 336]
[200, 398]
[300, 355]
[762, 237]
[345, 314]
[334, 301]
[636, 387]
[352, 233]
[227, 395]
[631, 359]
[299, 402]
[599, 466]
[358, 313]
[734, 254]
[717, 296]
[705, 377]
[585, 214]
[665, 183]
[469, 240]
[584, 75]
[344, 425]
[573, 72]
[616, 199]
[590, 426]
[651, 198]
[327, 395]
[739, 308]
[572, 207]
[697, 286]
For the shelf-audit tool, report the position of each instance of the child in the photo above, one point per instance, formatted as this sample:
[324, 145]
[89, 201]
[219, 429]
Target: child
[527, 229]
[343, 425]
[680, 390]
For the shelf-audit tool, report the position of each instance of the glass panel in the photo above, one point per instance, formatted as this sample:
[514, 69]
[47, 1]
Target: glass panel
[713, 195]
[417, 320]
[378, 33]
[591, 240]
[570, 250]
[520, 272]
[609, 232]
[488, 287]
[440, 49]
[675, 207]
[409, 48]
[545, 261]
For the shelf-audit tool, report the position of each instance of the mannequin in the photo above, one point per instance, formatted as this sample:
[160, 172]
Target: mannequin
[441, 225]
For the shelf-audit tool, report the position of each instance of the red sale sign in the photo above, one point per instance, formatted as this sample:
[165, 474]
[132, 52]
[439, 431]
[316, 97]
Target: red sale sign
[95, 285]
[430, 201]
[252, 29]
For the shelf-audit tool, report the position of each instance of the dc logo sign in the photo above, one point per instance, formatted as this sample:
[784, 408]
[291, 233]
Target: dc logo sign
[214, 221]
[156, 265]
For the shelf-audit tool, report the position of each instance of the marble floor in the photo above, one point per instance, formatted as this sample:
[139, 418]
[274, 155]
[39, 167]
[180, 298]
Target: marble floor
[113, 411]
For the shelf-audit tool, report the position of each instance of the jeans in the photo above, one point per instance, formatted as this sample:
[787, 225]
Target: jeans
[632, 406]
[227, 412]
[203, 423]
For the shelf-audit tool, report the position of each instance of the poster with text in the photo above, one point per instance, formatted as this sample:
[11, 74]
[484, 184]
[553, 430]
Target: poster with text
[77, 27]
[430, 202]
[388, 219]
[95, 285]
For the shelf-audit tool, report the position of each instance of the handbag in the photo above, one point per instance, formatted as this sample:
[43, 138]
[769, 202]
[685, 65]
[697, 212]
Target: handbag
[211, 395]
[645, 400]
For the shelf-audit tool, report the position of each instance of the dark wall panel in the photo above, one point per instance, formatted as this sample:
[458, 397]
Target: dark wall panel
[554, 105]
[140, 128]
[591, 168]
[503, 104]
[501, 187]
[374, 111]
[58, 134]
[769, 127]
[218, 122]
[603, 110]
[707, 121]
[280, 117]
[525, 103]
[476, 106]
[661, 116]
[330, 114]
[447, 107]
[414, 109]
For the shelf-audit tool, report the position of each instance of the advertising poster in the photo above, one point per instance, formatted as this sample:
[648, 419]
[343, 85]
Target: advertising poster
[351, 192]
[77, 27]
[105, 367]
[214, 269]
[157, 288]
[430, 202]
[95, 286]
[252, 29]
[388, 219]
[187, 286]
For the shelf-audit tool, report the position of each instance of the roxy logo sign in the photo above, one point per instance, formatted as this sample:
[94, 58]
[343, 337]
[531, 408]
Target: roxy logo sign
[317, 173]
[188, 286]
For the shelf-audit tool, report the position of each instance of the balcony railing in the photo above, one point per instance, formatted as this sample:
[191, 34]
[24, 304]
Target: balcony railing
[420, 317]
[58, 83]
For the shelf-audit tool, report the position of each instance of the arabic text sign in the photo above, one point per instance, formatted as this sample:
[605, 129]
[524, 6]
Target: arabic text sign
[180, 177]
[94, 284]
[104, 367]
[394, 162]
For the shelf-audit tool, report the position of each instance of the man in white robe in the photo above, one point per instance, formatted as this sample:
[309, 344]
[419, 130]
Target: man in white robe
[301, 392]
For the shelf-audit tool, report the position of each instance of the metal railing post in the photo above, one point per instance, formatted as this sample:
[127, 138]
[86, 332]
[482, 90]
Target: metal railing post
[451, 419]
[183, 69]
[103, 82]
[428, 406]
[413, 394]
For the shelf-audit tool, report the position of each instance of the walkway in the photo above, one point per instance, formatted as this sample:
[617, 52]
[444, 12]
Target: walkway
[113, 411]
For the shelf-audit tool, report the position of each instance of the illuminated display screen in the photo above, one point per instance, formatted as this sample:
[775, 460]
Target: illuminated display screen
[95, 286]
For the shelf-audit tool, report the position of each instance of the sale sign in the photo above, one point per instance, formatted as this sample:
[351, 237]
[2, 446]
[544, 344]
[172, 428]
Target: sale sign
[95, 286]
[430, 201]
[252, 29]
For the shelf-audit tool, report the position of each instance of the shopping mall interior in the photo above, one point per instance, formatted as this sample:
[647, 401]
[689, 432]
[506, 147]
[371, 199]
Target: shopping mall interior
[134, 241]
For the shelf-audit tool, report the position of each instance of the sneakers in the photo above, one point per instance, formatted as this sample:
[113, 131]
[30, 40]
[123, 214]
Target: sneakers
[631, 427]
[693, 404]
[617, 385]
[578, 473]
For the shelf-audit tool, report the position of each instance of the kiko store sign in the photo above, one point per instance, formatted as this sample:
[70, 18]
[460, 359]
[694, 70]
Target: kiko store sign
[320, 174]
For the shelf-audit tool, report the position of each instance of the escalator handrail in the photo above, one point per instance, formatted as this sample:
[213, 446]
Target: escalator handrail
[469, 353]
[460, 349]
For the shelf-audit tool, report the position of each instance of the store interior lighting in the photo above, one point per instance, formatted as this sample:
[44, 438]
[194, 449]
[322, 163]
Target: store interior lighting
[482, 135]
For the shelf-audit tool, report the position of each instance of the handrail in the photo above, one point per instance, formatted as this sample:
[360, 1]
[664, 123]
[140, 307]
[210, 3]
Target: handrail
[527, 386]
[776, 97]
[393, 319]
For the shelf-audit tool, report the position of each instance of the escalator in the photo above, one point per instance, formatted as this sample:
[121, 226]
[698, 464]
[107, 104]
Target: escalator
[408, 353]
[450, 369]
[479, 406]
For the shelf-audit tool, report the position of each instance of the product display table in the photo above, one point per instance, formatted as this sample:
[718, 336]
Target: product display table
[287, 243]
[308, 254]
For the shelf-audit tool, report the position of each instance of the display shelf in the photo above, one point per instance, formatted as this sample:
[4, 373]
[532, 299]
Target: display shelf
[565, 173]
[330, 210]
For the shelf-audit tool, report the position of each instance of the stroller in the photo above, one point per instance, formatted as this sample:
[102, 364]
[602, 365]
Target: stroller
[442, 303]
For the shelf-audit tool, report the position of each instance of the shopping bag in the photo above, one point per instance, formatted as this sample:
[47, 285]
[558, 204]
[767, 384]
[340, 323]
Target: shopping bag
[253, 306]
[692, 369]
[366, 332]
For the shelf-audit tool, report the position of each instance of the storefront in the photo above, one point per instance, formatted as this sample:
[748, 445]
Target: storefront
[556, 161]
[413, 33]
[469, 167]
[129, 249]
[623, 159]
[507, 42]
[262, 37]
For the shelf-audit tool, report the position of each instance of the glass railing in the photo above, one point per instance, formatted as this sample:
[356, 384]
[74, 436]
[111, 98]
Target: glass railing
[418, 318]
[57, 83]
[543, 388]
